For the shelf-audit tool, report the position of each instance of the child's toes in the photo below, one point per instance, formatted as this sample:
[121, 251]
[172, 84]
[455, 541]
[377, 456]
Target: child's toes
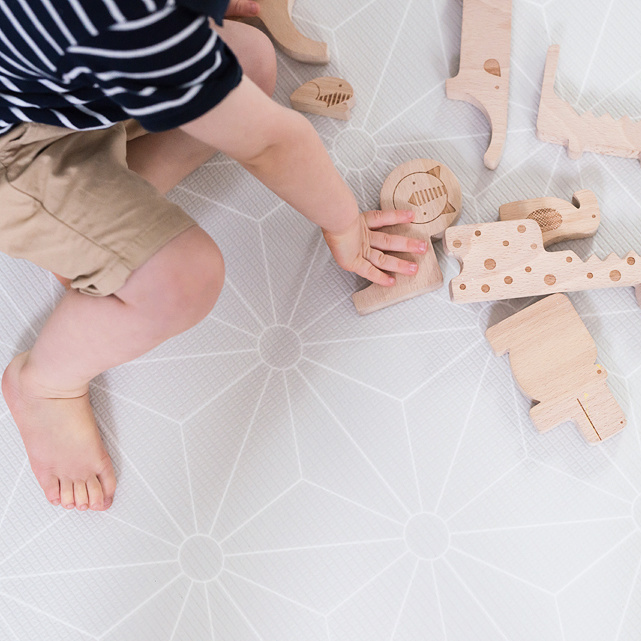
[94, 489]
[108, 482]
[80, 496]
[66, 493]
[51, 487]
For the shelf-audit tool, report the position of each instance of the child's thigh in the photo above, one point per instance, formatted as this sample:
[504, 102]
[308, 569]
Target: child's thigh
[254, 51]
[71, 206]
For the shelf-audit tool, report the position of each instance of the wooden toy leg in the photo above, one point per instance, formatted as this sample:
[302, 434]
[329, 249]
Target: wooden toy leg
[595, 411]
[276, 15]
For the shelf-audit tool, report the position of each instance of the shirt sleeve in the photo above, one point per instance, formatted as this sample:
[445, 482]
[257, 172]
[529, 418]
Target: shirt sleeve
[164, 70]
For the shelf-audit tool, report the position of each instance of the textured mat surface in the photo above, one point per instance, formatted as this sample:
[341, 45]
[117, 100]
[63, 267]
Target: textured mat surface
[289, 470]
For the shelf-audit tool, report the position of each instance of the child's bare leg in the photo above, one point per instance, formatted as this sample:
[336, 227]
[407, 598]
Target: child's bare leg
[165, 158]
[46, 389]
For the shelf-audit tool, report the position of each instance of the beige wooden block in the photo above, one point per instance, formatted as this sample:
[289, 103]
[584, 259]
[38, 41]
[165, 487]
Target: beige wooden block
[559, 123]
[507, 259]
[333, 97]
[484, 71]
[558, 219]
[430, 189]
[553, 359]
[276, 17]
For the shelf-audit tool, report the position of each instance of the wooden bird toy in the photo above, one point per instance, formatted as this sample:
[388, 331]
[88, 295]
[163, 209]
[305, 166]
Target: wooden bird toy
[333, 97]
[507, 259]
[276, 17]
[484, 72]
[553, 361]
[433, 192]
[558, 219]
[559, 123]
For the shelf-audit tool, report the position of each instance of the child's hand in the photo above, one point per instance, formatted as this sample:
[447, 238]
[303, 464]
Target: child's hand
[242, 9]
[361, 250]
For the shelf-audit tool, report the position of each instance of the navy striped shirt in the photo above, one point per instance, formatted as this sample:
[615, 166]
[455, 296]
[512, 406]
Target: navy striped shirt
[86, 64]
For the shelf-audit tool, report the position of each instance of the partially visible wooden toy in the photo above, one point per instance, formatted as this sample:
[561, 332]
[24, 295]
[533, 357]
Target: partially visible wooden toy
[559, 123]
[333, 97]
[553, 360]
[484, 72]
[558, 219]
[433, 192]
[507, 260]
[276, 16]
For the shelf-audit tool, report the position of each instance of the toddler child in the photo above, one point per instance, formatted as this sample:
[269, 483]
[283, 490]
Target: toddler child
[105, 105]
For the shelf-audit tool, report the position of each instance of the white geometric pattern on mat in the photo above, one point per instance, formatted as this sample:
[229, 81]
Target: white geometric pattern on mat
[289, 470]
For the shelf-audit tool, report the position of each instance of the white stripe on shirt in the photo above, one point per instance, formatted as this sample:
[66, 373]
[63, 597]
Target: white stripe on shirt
[131, 25]
[145, 51]
[152, 109]
[83, 17]
[26, 37]
[55, 16]
[114, 11]
[41, 30]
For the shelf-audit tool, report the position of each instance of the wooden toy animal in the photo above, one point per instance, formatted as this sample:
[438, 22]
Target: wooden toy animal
[484, 72]
[553, 360]
[507, 259]
[276, 17]
[333, 97]
[558, 219]
[433, 192]
[558, 122]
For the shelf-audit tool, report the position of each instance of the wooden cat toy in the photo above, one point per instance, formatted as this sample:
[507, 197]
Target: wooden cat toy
[433, 192]
[507, 259]
[333, 97]
[558, 219]
[559, 123]
[553, 361]
[484, 72]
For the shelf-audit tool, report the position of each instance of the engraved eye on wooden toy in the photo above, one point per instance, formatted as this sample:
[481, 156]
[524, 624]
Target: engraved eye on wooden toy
[431, 190]
[507, 259]
[559, 123]
[558, 219]
[484, 71]
[553, 359]
[333, 97]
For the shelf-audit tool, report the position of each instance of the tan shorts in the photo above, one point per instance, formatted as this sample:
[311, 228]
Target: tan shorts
[69, 204]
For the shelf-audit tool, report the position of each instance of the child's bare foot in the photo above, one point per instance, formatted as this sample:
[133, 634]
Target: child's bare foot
[62, 440]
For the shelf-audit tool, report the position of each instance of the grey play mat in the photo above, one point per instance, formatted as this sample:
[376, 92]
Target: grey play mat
[290, 471]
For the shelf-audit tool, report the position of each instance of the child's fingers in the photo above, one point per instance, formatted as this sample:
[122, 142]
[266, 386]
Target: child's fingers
[243, 8]
[365, 269]
[392, 243]
[377, 218]
[389, 263]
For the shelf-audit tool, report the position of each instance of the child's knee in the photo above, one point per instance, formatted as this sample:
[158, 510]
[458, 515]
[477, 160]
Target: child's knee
[197, 280]
[181, 283]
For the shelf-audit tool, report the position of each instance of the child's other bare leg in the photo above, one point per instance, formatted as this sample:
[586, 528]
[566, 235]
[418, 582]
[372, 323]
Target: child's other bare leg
[165, 158]
[46, 389]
